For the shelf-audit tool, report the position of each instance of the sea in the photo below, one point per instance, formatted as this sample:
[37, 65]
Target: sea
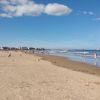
[86, 56]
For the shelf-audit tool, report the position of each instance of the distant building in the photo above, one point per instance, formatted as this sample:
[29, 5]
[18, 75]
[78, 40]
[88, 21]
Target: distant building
[13, 48]
[31, 48]
[6, 48]
[24, 48]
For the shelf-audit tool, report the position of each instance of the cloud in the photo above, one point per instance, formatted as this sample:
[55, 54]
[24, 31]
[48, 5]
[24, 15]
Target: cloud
[14, 8]
[97, 19]
[5, 15]
[3, 2]
[89, 13]
[57, 9]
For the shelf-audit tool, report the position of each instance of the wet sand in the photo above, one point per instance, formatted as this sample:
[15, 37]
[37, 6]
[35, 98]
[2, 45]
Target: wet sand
[28, 77]
[73, 65]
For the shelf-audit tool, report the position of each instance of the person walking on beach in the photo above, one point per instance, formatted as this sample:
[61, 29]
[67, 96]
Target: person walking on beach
[95, 55]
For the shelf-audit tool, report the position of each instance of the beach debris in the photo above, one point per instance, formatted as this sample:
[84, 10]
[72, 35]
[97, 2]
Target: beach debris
[97, 83]
[9, 55]
[54, 62]
[39, 59]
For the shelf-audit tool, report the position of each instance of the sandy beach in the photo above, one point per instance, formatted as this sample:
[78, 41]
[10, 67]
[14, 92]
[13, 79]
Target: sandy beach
[28, 77]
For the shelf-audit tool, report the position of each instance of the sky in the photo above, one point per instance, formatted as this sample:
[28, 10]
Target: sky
[50, 23]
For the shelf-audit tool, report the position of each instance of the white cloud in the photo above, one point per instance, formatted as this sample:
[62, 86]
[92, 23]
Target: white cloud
[19, 1]
[32, 9]
[5, 15]
[98, 19]
[12, 8]
[89, 13]
[4, 2]
[57, 9]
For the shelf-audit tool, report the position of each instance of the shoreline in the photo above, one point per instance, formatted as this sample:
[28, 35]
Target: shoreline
[72, 65]
[68, 63]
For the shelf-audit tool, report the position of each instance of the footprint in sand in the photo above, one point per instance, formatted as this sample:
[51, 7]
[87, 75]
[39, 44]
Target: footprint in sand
[97, 83]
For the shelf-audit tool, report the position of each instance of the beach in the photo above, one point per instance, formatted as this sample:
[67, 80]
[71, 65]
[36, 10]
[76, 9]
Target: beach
[29, 77]
[72, 64]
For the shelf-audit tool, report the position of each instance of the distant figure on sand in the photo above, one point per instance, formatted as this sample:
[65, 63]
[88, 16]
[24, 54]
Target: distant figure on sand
[38, 59]
[95, 55]
[9, 55]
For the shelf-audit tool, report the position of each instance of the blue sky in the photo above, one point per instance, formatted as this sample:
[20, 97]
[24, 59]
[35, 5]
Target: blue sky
[74, 24]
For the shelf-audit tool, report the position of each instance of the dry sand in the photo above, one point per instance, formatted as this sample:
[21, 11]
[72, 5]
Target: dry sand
[26, 77]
